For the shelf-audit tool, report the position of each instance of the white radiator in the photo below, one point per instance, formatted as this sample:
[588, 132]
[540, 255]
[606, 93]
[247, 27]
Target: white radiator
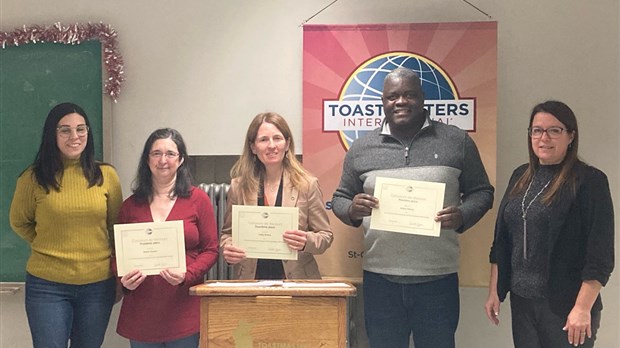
[217, 193]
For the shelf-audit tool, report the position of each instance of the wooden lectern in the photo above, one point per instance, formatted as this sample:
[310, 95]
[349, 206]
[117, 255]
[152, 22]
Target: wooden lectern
[271, 314]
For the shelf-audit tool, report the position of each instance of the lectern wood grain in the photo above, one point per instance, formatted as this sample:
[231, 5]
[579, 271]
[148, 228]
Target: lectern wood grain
[273, 317]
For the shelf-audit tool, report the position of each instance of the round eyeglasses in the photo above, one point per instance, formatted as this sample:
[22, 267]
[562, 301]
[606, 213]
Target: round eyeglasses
[66, 131]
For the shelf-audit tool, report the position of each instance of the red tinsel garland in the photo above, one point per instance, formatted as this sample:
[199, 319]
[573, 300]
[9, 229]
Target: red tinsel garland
[75, 34]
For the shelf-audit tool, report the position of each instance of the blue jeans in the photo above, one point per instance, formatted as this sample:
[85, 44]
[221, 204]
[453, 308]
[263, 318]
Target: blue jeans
[428, 311]
[186, 342]
[60, 312]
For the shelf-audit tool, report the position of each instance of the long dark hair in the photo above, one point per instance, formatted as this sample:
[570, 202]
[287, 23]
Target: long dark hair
[143, 184]
[47, 166]
[566, 174]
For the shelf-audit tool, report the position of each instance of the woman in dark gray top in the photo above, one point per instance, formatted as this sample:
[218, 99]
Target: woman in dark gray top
[554, 238]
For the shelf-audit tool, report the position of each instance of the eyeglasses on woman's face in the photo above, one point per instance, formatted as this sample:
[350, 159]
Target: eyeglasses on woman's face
[553, 132]
[167, 154]
[66, 131]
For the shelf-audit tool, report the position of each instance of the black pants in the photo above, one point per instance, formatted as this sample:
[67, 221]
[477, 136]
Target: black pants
[534, 325]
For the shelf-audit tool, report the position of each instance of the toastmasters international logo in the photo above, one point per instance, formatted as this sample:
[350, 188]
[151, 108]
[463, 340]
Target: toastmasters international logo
[359, 110]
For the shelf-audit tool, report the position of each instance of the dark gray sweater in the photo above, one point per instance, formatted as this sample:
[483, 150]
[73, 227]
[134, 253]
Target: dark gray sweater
[438, 153]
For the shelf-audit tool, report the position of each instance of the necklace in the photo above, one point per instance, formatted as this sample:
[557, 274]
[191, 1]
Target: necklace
[272, 187]
[524, 210]
[163, 194]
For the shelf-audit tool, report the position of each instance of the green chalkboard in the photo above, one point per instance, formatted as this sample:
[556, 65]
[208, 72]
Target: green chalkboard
[34, 78]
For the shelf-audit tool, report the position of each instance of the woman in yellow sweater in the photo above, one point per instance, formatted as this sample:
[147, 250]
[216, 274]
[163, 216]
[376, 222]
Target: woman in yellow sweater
[65, 205]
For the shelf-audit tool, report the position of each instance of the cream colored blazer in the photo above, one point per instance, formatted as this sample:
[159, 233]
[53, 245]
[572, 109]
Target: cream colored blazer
[312, 218]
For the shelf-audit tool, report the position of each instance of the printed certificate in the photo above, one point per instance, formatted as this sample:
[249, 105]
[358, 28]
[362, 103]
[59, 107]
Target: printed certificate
[408, 206]
[258, 231]
[150, 247]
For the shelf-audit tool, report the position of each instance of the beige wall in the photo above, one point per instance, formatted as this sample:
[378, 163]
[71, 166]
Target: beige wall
[206, 67]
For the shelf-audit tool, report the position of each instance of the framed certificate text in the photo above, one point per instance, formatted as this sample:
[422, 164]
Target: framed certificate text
[150, 247]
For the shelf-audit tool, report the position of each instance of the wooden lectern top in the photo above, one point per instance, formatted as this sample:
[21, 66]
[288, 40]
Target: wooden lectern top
[273, 288]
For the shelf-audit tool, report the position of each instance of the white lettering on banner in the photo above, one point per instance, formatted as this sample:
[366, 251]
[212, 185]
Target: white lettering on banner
[368, 115]
[460, 113]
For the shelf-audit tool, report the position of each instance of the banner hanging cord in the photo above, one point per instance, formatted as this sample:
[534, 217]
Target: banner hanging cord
[477, 8]
[314, 15]
[333, 2]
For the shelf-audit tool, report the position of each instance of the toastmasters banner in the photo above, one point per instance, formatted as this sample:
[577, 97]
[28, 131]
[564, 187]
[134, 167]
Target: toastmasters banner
[343, 71]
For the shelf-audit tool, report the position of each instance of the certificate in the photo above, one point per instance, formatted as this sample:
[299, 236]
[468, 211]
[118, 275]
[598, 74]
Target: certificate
[258, 231]
[150, 247]
[408, 206]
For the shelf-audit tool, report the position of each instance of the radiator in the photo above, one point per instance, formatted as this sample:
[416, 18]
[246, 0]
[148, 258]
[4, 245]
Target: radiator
[217, 194]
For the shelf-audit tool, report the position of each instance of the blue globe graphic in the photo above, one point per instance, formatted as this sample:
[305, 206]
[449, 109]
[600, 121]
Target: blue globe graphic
[366, 83]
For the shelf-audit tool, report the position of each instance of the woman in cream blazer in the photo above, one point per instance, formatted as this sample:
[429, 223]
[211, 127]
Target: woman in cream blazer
[268, 174]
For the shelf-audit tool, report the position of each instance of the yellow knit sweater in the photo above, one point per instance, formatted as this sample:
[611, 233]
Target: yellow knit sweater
[68, 231]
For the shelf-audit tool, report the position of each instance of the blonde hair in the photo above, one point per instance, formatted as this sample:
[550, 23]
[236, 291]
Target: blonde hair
[248, 169]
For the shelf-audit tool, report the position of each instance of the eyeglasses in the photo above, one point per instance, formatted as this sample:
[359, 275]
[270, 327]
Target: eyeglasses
[552, 132]
[65, 131]
[168, 154]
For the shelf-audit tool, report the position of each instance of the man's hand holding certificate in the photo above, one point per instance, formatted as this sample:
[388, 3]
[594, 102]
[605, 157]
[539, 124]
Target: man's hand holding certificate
[407, 206]
[258, 231]
[150, 247]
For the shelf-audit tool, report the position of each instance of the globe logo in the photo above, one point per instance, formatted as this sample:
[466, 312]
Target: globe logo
[365, 84]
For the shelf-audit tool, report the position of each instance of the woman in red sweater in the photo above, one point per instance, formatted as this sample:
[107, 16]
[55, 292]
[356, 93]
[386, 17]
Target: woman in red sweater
[157, 310]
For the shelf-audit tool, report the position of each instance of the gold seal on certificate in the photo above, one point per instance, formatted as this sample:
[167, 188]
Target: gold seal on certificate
[258, 230]
[408, 206]
[150, 247]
